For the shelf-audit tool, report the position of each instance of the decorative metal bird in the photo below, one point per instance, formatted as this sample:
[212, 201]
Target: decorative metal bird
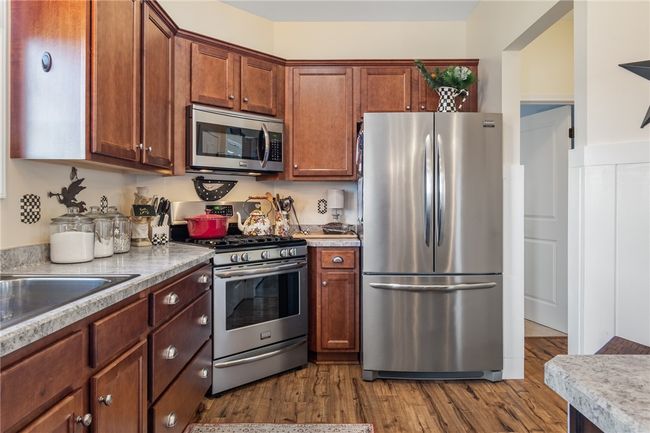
[68, 195]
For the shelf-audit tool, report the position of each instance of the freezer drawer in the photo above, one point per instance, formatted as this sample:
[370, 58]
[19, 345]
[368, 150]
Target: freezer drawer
[432, 324]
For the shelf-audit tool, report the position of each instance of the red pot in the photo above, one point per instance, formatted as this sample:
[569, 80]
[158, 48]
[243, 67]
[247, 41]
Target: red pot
[207, 226]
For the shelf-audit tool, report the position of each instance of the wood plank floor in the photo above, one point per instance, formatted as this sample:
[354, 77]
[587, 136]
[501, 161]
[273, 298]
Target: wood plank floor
[336, 394]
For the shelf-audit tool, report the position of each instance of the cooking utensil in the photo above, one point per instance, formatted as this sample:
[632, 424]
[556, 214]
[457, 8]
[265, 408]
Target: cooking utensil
[207, 226]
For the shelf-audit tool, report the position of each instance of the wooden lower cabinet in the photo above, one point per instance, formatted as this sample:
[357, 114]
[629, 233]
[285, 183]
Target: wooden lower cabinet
[94, 375]
[118, 394]
[67, 416]
[334, 305]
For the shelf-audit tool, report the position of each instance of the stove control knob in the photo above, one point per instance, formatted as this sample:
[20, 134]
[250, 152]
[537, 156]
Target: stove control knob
[265, 255]
[244, 257]
[293, 252]
[234, 258]
[284, 253]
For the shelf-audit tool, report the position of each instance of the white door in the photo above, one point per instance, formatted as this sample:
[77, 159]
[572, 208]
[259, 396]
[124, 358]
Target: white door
[544, 154]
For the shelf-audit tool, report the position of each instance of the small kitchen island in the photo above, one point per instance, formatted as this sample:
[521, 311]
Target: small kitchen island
[611, 391]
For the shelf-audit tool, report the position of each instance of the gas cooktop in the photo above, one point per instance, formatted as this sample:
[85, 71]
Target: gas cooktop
[241, 242]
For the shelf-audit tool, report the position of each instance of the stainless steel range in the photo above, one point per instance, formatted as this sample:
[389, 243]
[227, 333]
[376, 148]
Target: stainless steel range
[260, 298]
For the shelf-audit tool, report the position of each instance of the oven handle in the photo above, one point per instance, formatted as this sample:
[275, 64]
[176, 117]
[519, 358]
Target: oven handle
[266, 270]
[250, 359]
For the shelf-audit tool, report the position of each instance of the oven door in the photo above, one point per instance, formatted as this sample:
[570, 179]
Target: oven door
[259, 305]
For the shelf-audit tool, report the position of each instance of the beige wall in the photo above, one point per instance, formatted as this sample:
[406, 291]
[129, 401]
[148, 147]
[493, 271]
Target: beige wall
[547, 64]
[219, 20]
[369, 40]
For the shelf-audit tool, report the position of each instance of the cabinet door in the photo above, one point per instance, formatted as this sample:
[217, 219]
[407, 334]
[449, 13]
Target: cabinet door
[322, 123]
[116, 78]
[213, 76]
[338, 318]
[118, 394]
[386, 89]
[157, 90]
[258, 86]
[428, 99]
[65, 417]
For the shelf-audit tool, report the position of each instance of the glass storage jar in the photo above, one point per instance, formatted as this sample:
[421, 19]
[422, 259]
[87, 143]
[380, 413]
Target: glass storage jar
[72, 238]
[103, 232]
[121, 230]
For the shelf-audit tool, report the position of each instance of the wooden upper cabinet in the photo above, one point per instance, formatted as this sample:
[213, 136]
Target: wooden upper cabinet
[259, 87]
[213, 76]
[118, 394]
[428, 98]
[65, 417]
[321, 122]
[386, 89]
[157, 90]
[115, 78]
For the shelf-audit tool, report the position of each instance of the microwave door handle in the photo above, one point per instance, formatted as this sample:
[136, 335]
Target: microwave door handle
[267, 145]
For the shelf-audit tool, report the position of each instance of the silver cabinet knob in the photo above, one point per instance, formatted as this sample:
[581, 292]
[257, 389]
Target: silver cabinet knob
[422, 107]
[140, 146]
[106, 400]
[295, 166]
[171, 299]
[337, 259]
[203, 320]
[231, 97]
[203, 373]
[203, 279]
[408, 108]
[170, 420]
[170, 352]
[324, 284]
[149, 149]
[245, 99]
[84, 420]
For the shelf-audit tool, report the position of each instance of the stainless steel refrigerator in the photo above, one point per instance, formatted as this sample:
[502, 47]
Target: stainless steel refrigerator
[432, 246]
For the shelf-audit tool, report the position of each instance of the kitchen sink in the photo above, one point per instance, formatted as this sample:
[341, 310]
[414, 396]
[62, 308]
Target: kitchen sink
[25, 296]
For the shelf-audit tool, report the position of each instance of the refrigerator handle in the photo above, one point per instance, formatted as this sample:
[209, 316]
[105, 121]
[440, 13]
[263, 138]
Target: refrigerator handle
[433, 287]
[442, 190]
[428, 193]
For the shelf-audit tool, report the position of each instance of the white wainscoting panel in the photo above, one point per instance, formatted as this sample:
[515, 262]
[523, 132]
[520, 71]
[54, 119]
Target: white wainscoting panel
[633, 252]
[599, 226]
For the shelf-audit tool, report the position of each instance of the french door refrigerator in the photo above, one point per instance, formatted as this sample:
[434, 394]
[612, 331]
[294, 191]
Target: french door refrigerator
[432, 246]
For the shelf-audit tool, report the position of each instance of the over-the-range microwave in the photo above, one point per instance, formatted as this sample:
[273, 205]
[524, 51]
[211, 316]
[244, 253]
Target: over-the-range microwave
[222, 140]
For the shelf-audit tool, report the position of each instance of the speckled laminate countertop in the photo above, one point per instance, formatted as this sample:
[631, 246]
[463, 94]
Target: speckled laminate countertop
[612, 391]
[320, 242]
[152, 264]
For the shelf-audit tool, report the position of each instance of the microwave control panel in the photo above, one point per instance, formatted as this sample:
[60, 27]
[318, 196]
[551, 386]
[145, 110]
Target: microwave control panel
[275, 153]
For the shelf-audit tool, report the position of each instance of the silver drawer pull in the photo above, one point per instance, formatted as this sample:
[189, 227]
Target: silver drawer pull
[106, 400]
[170, 420]
[203, 374]
[203, 279]
[337, 259]
[203, 320]
[170, 352]
[85, 420]
[171, 299]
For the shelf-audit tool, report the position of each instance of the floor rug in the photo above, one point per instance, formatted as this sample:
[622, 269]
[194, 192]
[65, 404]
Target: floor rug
[280, 428]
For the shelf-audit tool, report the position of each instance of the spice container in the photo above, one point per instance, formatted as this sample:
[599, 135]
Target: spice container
[121, 231]
[103, 232]
[72, 238]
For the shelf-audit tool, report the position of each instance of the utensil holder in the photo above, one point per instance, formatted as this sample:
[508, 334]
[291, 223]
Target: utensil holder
[159, 235]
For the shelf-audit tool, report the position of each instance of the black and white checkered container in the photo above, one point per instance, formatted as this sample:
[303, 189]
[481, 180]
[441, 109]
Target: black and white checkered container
[447, 102]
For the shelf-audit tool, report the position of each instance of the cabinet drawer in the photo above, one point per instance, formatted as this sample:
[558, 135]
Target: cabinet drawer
[116, 332]
[40, 378]
[177, 406]
[173, 298]
[177, 341]
[338, 259]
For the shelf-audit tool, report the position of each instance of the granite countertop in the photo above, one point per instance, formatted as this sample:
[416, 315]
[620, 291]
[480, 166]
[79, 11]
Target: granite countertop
[612, 391]
[324, 242]
[152, 264]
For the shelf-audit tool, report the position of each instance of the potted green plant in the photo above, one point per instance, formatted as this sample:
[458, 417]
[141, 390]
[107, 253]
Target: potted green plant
[450, 83]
